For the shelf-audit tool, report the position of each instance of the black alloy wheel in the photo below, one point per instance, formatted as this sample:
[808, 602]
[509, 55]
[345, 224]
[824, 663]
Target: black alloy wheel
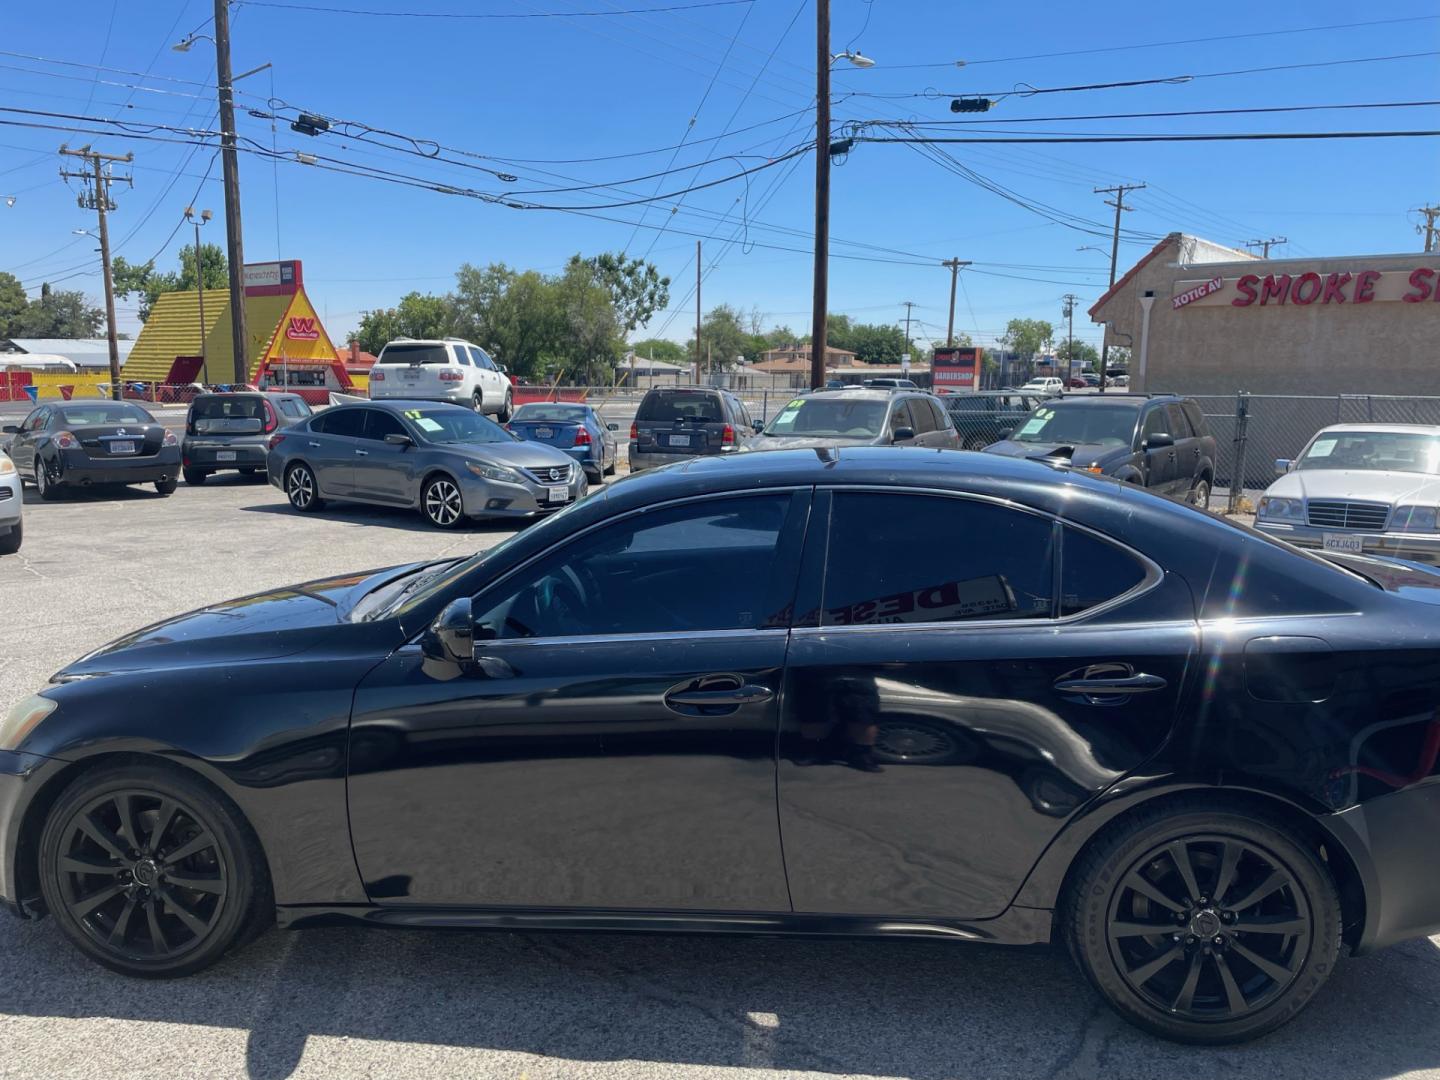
[302, 490]
[46, 488]
[1205, 927]
[149, 873]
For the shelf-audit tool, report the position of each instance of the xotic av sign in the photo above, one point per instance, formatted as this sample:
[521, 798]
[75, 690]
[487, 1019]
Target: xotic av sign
[1418, 286]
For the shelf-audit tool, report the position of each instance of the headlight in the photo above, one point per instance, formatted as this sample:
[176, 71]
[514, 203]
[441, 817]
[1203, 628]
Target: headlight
[1274, 509]
[494, 472]
[1414, 519]
[6, 466]
[23, 719]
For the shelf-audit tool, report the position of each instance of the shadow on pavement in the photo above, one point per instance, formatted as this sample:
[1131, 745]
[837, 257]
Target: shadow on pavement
[386, 516]
[915, 1009]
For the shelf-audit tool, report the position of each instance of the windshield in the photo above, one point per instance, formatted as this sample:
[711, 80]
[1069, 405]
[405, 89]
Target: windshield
[830, 415]
[1079, 425]
[103, 413]
[451, 424]
[564, 414]
[1381, 451]
[415, 354]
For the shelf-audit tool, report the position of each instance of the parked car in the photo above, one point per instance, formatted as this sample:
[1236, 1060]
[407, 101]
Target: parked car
[1045, 387]
[893, 384]
[678, 423]
[1122, 380]
[442, 370]
[1089, 378]
[12, 512]
[863, 417]
[232, 431]
[66, 445]
[1075, 382]
[1360, 488]
[982, 417]
[1198, 755]
[575, 429]
[1159, 441]
[447, 462]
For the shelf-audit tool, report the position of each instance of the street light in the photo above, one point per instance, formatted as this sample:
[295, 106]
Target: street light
[203, 218]
[186, 44]
[855, 58]
[9, 200]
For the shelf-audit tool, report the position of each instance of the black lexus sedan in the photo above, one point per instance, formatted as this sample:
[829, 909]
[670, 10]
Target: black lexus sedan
[65, 445]
[711, 699]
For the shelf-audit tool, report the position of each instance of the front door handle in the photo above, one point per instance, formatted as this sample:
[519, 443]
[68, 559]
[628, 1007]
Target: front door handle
[1111, 686]
[362, 453]
[715, 696]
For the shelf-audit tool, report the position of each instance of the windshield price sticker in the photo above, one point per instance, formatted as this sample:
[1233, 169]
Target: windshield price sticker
[1322, 448]
[424, 423]
[1034, 424]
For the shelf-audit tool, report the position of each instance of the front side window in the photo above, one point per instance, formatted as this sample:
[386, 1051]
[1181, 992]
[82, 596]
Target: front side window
[292, 409]
[900, 418]
[1155, 424]
[680, 569]
[1179, 424]
[920, 416]
[379, 423]
[481, 358]
[901, 558]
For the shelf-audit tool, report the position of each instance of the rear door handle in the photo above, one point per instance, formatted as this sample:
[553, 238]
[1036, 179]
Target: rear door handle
[314, 445]
[362, 453]
[1112, 686]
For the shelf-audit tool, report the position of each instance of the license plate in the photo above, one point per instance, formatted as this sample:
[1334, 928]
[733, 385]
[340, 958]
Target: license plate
[224, 455]
[679, 440]
[1355, 545]
[122, 448]
[410, 374]
[557, 494]
[544, 433]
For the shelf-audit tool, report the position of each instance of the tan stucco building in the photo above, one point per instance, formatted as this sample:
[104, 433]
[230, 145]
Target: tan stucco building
[1222, 320]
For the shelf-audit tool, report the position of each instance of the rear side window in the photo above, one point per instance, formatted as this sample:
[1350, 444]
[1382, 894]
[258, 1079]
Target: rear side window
[1196, 417]
[920, 413]
[464, 356]
[1179, 425]
[415, 354]
[994, 563]
[678, 406]
[346, 422]
[1094, 572]
[293, 409]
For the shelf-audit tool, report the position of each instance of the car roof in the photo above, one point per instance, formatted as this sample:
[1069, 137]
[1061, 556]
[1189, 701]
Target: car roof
[272, 395]
[1101, 399]
[862, 393]
[400, 404]
[1398, 429]
[685, 390]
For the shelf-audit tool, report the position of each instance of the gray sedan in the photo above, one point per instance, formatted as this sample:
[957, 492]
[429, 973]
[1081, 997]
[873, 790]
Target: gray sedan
[444, 460]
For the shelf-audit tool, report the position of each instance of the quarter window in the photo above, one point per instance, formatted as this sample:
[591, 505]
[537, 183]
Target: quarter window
[978, 561]
[1094, 572]
[683, 569]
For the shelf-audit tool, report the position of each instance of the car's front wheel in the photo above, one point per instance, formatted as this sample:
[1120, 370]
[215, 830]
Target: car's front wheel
[302, 490]
[150, 872]
[508, 409]
[10, 542]
[1203, 924]
[441, 503]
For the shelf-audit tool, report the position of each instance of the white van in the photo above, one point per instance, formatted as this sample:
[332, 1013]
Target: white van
[443, 370]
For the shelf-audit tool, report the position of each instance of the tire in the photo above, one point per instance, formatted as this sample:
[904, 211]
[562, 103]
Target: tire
[976, 442]
[195, 477]
[302, 489]
[508, 409]
[10, 542]
[477, 402]
[441, 503]
[167, 487]
[609, 470]
[249, 471]
[1199, 494]
[1118, 884]
[47, 489]
[151, 925]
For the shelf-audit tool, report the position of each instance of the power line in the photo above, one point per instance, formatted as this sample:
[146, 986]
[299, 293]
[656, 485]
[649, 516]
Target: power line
[1148, 115]
[319, 9]
[1233, 137]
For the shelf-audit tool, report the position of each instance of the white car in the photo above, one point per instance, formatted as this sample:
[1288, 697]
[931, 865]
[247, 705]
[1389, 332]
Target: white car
[11, 525]
[1360, 489]
[1050, 387]
[442, 370]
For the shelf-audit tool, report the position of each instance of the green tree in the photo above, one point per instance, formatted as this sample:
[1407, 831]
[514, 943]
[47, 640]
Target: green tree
[12, 302]
[148, 284]
[722, 338]
[1119, 357]
[594, 337]
[513, 314]
[63, 314]
[416, 316]
[636, 288]
[1081, 354]
[1028, 337]
[660, 349]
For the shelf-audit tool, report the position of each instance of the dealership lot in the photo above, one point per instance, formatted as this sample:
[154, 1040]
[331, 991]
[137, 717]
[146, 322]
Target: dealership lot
[356, 1003]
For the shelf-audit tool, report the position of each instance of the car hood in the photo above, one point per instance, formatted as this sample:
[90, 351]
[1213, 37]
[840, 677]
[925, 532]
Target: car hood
[1363, 485]
[264, 626]
[526, 455]
[1083, 455]
[806, 442]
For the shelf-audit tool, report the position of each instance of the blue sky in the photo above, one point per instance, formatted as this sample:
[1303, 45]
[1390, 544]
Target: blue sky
[545, 96]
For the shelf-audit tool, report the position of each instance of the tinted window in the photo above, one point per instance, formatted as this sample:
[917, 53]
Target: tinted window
[103, 412]
[407, 353]
[481, 358]
[900, 417]
[682, 569]
[1196, 418]
[673, 406]
[293, 409]
[228, 407]
[1155, 423]
[464, 357]
[379, 423]
[921, 416]
[340, 422]
[976, 561]
[937, 414]
[1094, 571]
[1179, 425]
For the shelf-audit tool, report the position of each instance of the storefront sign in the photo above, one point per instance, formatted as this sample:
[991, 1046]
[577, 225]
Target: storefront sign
[1311, 288]
[956, 368]
[298, 328]
[272, 278]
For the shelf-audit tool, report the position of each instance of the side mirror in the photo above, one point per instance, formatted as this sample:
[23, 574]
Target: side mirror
[612, 427]
[1006, 431]
[902, 434]
[1159, 440]
[1283, 466]
[451, 637]
[758, 426]
[10, 429]
[397, 439]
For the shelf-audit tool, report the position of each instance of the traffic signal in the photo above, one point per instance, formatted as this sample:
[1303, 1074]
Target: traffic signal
[971, 104]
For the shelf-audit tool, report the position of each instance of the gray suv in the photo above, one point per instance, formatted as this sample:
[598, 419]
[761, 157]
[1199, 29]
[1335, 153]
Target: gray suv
[232, 431]
[855, 417]
[682, 422]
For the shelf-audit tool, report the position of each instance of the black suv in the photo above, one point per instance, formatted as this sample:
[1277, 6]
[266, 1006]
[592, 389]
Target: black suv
[681, 422]
[1158, 441]
[986, 416]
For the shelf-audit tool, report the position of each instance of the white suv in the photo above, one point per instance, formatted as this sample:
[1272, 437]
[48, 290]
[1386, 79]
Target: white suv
[1050, 387]
[447, 370]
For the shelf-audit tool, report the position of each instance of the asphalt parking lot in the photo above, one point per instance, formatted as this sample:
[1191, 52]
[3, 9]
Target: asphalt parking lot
[337, 1003]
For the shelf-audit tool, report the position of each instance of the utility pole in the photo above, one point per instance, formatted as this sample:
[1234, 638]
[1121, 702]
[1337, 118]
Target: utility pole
[1266, 245]
[1118, 203]
[954, 265]
[233, 242]
[97, 197]
[821, 300]
[202, 219]
[1431, 213]
[908, 305]
[1070, 301]
[697, 312]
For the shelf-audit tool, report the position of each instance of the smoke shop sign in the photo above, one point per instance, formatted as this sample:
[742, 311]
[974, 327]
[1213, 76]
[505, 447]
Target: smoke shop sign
[1310, 288]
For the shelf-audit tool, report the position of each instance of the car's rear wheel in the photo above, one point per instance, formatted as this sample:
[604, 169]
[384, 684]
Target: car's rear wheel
[441, 503]
[46, 488]
[1203, 924]
[10, 542]
[151, 873]
[508, 409]
[167, 487]
[195, 477]
[1200, 494]
[976, 442]
[302, 490]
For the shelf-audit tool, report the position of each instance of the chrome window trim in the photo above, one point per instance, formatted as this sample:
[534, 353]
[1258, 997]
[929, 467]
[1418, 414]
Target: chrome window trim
[662, 635]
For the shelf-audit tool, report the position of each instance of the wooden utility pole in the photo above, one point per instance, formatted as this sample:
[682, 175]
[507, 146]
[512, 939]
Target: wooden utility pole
[1118, 203]
[1069, 311]
[819, 341]
[97, 197]
[908, 305]
[233, 237]
[1431, 213]
[696, 374]
[954, 265]
[203, 219]
[1266, 245]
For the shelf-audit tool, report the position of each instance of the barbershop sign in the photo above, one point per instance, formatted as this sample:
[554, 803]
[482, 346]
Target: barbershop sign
[1307, 288]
